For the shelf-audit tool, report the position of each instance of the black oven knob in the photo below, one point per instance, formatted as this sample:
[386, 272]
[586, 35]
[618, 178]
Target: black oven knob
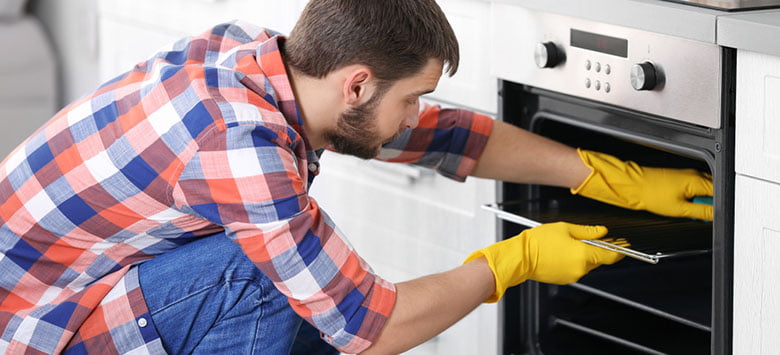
[547, 55]
[644, 76]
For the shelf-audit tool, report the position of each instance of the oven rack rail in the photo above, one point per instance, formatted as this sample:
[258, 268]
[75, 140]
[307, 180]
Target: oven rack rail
[604, 318]
[606, 336]
[642, 307]
[651, 237]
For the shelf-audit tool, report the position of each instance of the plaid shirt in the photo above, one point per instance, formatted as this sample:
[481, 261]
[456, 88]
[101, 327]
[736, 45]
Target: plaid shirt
[201, 138]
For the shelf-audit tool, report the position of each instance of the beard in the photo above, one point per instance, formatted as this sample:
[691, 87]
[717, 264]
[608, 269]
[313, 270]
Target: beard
[356, 133]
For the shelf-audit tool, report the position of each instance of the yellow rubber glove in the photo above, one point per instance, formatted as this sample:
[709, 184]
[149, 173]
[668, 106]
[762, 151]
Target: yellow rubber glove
[551, 253]
[662, 191]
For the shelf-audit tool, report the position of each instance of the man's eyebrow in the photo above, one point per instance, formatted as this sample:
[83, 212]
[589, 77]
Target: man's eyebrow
[422, 92]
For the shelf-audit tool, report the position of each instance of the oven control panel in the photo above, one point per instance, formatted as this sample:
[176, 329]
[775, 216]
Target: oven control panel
[658, 74]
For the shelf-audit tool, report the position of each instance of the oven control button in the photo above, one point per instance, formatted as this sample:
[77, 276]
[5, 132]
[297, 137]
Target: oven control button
[607, 88]
[587, 65]
[644, 76]
[547, 55]
[607, 69]
[597, 86]
[587, 83]
[598, 67]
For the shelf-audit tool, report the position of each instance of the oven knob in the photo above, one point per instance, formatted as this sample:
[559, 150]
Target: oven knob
[547, 55]
[644, 76]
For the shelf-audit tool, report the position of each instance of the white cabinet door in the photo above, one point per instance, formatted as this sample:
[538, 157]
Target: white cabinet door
[131, 31]
[472, 86]
[195, 16]
[124, 44]
[758, 115]
[407, 224]
[756, 267]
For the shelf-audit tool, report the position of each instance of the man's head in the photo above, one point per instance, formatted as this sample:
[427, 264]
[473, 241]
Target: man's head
[383, 54]
[382, 115]
[394, 38]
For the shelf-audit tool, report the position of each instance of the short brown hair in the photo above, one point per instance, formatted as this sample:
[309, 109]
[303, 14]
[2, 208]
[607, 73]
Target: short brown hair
[394, 38]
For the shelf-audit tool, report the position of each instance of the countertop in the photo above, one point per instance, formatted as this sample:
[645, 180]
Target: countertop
[756, 30]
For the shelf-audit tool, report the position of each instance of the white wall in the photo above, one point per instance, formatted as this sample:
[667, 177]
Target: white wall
[28, 75]
[72, 26]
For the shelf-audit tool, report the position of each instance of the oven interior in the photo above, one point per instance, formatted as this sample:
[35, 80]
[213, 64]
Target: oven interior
[632, 306]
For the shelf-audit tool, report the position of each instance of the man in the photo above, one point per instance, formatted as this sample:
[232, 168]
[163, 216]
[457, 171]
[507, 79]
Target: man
[168, 210]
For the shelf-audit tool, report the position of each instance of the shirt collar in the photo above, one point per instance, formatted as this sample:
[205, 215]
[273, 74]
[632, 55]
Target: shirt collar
[271, 63]
[269, 59]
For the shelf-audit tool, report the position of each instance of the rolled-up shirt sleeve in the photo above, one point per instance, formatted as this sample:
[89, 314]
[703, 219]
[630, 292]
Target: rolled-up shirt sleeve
[447, 140]
[251, 180]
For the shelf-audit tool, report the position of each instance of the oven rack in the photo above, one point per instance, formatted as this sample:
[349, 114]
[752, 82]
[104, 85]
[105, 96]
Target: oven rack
[651, 237]
[606, 336]
[623, 326]
[647, 345]
[662, 293]
[677, 290]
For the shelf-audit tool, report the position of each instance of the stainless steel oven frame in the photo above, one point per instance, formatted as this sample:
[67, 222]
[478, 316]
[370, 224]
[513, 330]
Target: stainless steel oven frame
[526, 106]
[644, 89]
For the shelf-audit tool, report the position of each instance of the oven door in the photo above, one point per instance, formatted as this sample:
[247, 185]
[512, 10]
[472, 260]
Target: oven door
[678, 305]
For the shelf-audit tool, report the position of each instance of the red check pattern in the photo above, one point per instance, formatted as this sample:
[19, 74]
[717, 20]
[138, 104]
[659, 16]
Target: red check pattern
[201, 138]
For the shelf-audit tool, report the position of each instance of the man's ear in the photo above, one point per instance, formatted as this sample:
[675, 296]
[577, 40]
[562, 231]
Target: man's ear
[359, 85]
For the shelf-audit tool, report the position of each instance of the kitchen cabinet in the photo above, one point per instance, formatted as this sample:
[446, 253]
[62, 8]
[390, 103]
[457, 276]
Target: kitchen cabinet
[408, 222]
[474, 85]
[405, 221]
[756, 265]
[131, 31]
[121, 27]
[758, 116]
[757, 200]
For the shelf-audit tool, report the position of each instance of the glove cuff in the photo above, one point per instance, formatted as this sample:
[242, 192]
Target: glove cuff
[500, 288]
[585, 160]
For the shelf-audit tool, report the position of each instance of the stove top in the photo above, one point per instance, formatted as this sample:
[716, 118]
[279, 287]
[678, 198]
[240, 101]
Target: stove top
[732, 5]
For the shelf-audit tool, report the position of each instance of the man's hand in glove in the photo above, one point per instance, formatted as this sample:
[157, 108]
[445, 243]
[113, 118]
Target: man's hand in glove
[666, 192]
[551, 253]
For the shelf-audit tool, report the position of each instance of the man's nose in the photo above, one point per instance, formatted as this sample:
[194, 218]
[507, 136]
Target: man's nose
[411, 121]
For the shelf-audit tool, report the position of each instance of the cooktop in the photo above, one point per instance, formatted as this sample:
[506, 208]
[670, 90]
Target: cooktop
[732, 5]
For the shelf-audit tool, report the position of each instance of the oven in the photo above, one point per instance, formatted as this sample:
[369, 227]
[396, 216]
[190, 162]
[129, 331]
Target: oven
[655, 99]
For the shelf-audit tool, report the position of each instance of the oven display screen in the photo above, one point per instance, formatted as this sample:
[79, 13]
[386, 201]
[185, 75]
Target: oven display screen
[599, 43]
